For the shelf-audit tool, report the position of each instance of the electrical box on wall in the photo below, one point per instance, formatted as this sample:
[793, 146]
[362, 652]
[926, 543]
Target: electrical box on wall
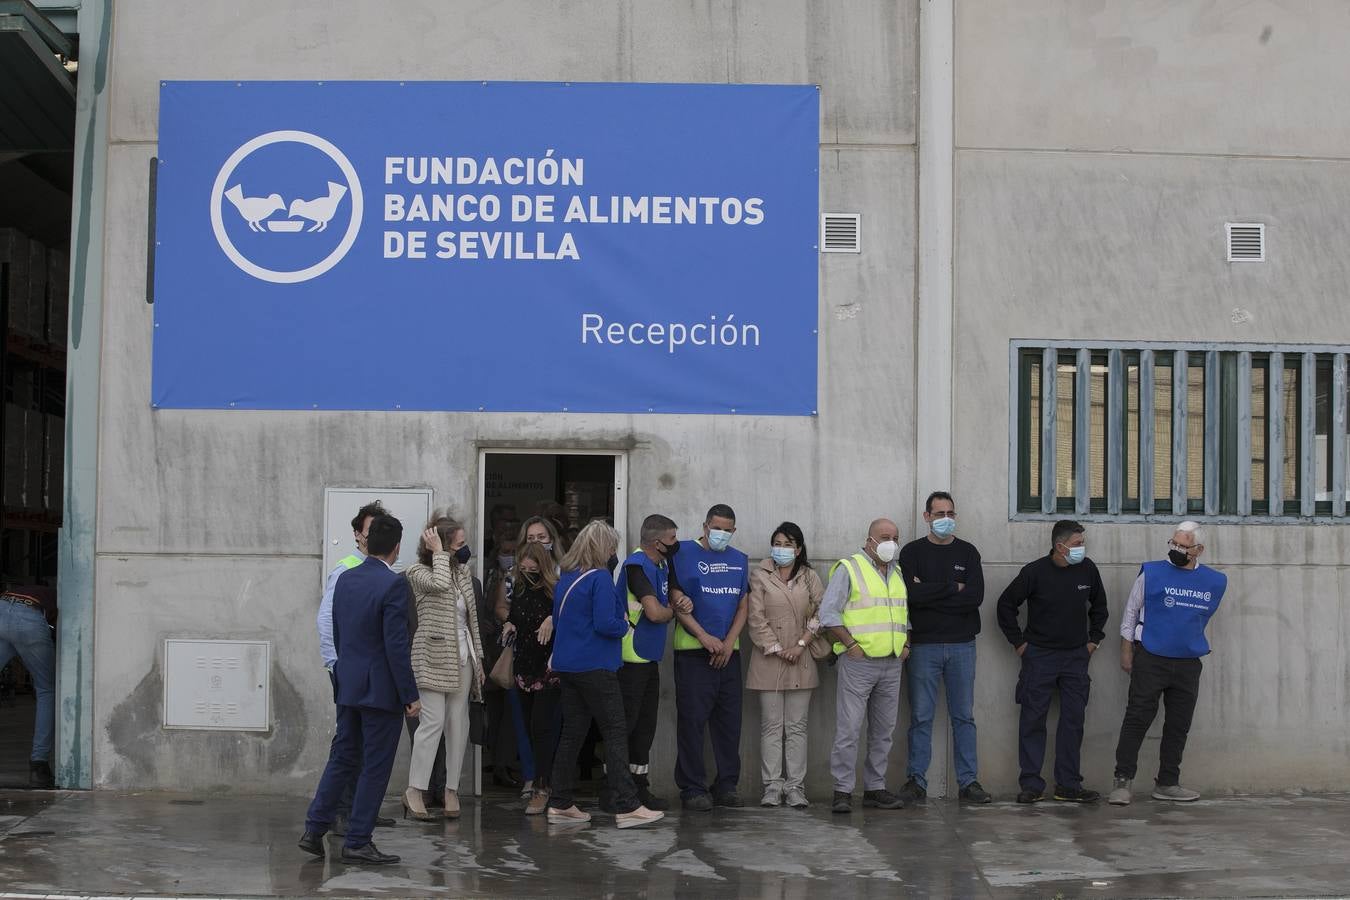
[217, 685]
[411, 506]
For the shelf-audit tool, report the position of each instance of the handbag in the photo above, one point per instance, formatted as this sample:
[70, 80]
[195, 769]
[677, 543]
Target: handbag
[561, 606]
[503, 673]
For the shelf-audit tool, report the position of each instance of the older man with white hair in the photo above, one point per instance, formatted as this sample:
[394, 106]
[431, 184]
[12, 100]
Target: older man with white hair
[1163, 639]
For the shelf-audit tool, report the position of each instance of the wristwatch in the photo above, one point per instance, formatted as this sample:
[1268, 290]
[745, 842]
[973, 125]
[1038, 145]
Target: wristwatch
[801, 642]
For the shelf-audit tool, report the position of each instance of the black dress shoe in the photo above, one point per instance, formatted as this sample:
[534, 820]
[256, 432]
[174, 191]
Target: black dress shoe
[367, 855]
[384, 822]
[312, 843]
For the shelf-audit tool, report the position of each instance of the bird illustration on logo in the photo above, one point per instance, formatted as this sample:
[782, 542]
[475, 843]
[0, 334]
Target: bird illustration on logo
[255, 210]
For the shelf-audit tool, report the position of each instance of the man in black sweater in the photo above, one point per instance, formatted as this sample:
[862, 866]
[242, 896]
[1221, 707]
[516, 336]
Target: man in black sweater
[1066, 615]
[946, 588]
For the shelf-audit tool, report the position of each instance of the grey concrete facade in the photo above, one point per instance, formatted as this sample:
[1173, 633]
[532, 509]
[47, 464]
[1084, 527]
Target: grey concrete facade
[1099, 149]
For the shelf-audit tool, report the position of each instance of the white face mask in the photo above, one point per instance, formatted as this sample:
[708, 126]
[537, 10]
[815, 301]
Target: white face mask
[886, 550]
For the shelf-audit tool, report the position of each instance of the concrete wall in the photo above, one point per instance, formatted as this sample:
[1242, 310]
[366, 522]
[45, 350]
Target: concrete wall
[1100, 149]
[210, 522]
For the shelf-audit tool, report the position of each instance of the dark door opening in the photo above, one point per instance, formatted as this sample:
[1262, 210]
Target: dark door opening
[37, 144]
[570, 489]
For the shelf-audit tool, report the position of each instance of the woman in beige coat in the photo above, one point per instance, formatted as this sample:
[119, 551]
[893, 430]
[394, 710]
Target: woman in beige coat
[785, 595]
[446, 658]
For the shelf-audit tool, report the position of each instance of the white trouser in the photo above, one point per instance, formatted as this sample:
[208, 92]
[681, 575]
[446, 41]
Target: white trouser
[441, 713]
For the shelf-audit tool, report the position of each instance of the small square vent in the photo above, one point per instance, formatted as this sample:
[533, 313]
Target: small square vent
[839, 233]
[1246, 241]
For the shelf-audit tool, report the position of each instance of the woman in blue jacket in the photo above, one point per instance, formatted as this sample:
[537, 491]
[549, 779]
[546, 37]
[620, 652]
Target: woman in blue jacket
[589, 623]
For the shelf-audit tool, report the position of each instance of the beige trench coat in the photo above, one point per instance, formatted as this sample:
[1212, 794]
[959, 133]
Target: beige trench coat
[439, 662]
[778, 614]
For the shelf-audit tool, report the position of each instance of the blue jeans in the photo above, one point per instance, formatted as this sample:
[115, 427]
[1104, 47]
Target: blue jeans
[24, 633]
[953, 666]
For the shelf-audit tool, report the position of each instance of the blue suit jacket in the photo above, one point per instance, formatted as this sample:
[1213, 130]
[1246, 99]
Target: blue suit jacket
[370, 631]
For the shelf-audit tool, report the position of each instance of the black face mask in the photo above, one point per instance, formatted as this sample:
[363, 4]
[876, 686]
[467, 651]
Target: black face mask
[462, 554]
[668, 550]
[1179, 558]
[612, 564]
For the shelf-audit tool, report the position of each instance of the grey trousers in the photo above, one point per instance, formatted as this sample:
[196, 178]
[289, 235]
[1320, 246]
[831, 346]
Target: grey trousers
[868, 693]
[782, 722]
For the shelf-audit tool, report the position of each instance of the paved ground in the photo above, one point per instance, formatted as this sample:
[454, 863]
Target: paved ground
[160, 844]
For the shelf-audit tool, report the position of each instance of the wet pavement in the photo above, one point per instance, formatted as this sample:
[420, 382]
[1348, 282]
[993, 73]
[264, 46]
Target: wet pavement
[152, 844]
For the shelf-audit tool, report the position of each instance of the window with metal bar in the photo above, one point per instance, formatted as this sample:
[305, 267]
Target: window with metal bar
[1215, 431]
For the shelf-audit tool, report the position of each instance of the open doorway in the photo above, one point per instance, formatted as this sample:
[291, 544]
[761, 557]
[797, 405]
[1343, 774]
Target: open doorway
[567, 486]
[570, 487]
[37, 141]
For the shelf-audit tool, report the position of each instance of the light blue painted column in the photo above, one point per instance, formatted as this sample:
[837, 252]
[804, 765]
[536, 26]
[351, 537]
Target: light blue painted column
[75, 637]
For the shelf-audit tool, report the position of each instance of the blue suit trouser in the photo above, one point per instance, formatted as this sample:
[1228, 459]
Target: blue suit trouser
[364, 747]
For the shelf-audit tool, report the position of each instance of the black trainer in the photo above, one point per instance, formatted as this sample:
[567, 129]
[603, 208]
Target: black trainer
[730, 801]
[974, 793]
[912, 792]
[1076, 795]
[698, 803]
[882, 799]
[843, 803]
[1030, 796]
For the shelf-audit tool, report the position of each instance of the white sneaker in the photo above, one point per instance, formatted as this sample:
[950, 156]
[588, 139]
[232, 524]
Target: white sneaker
[569, 816]
[1120, 792]
[1174, 792]
[773, 796]
[640, 816]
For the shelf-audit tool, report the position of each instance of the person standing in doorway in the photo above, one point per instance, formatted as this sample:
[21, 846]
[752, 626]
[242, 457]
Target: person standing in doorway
[945, 582]
[529, 628]
[647, 580]
[1162, 641]
[589, 624]
[328, 652]
[27, 619]
[447, 659]
[865, 608]
[715, 577]
[785, 595]
[1066, 612]
[375, 688]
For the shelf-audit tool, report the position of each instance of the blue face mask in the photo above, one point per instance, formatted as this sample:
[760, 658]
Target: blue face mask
[719, 540]
[944, 527]
[783, 556]
[1076, 555]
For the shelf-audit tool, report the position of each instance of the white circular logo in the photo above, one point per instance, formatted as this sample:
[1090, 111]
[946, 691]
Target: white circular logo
[314, 213]
[704, 568]
[1168, 601]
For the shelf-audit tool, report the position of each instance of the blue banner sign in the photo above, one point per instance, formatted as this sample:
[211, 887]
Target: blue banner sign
[535, 247]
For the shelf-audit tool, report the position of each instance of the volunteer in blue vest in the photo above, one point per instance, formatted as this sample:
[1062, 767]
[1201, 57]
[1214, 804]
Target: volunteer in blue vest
[865, 611]
[646, 580]
[327, 651]
[945, 581]
[1066, 612]
[716, 577]
[1162, 640]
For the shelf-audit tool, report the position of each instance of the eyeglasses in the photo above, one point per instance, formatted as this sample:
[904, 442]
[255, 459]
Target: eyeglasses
[1180, 548]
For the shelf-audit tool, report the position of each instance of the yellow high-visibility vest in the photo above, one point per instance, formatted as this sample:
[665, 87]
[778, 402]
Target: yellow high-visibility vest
[877, 612]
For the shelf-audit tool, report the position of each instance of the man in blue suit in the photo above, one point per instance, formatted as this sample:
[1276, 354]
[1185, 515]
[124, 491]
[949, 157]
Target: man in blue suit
[375, 688]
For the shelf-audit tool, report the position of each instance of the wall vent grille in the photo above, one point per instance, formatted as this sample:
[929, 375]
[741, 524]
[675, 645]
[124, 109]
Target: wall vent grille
[840, 233]
[1246, 241]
